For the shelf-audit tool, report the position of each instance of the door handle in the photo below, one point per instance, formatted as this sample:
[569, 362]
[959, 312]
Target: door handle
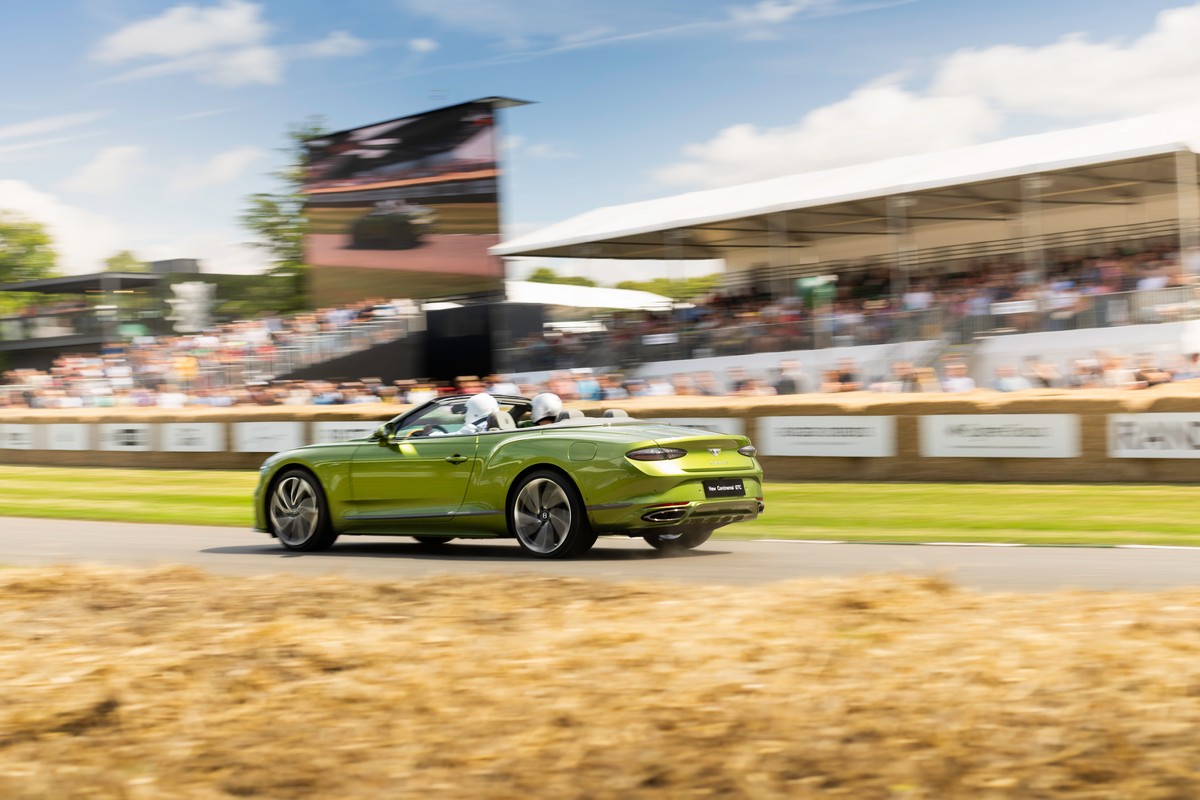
[456, 459]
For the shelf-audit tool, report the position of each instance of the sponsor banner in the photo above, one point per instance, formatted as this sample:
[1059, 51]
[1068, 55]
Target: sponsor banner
[726, 425]
[1000, 436]
[67, 436]
[338, 431]
[1174, 435]
[15, 436]
[267, 437]
[193, 437]
[856, 437]
[127, 436]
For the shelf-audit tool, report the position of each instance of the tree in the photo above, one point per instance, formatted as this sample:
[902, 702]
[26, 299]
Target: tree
[26, 249]
[676, 288]
[278, 223]
[125, 261]
[26, 253]
[547, 275]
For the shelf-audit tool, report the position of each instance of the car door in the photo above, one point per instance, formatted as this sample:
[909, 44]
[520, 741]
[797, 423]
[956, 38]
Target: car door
[418, 479]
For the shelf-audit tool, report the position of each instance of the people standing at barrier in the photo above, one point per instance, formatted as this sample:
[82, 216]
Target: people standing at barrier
[956, 378]
[1009, 380]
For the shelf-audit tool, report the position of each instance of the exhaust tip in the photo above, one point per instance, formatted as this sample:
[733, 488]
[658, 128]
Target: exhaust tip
[665, 515]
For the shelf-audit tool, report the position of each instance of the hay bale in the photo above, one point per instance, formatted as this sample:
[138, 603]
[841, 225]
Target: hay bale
[173, 683]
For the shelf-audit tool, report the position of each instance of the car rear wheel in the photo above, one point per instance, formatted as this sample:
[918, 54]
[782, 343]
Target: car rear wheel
[298, 514]
[546, 516]
[678, 538]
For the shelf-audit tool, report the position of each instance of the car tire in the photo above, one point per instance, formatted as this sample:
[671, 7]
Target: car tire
[297, 513]
[678, 539]
[546, 516]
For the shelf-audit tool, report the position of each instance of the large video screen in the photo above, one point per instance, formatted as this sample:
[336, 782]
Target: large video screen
[405, 208]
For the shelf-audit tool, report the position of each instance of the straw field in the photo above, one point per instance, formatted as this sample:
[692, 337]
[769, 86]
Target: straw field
[175, 684]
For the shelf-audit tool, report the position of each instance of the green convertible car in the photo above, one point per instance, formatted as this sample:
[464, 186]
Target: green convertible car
[553, 488]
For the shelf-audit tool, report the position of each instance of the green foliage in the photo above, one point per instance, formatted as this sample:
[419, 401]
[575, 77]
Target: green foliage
[547, 275]
[26, 253]
[278, 223]
[676, 288]
[26, 249]
[125, 261]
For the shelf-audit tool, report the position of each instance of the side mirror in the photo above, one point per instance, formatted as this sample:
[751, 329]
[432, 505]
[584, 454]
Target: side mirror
[382, 435]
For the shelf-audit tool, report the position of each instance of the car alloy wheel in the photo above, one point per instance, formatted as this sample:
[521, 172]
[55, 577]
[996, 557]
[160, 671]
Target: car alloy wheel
[297, 513]
[546, 516]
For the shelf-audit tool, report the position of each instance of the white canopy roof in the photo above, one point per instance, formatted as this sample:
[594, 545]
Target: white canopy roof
[559, 294]
[1140, 137]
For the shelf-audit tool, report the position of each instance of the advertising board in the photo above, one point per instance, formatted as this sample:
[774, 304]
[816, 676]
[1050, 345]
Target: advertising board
[127, 436]
[328, 431]
[1160, 435]
[192, 437]
[1000, 436]
[267, 437]
[824, 436]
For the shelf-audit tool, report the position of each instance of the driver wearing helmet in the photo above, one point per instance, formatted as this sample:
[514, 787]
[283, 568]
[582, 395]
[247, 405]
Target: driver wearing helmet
[546, 408]
[479, 408]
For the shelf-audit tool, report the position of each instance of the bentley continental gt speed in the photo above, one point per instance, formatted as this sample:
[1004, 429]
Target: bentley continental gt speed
[554, 488]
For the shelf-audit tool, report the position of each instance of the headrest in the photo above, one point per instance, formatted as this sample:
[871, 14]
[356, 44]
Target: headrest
[501, 421]
[569, 413]
[609, 413]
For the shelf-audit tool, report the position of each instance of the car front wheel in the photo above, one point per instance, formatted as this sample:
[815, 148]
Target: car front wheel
[679, 538]
[547, 518]
[298, 513]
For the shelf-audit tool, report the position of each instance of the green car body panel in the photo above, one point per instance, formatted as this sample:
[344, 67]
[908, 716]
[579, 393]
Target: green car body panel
[454, 485]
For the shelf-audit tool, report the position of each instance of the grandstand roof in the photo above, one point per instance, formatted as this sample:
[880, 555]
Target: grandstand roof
[634, 230]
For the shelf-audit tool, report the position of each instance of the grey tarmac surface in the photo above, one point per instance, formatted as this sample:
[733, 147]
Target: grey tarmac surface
[236, 552]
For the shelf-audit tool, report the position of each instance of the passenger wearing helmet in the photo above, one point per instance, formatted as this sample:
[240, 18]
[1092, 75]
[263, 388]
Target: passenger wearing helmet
[546, 408]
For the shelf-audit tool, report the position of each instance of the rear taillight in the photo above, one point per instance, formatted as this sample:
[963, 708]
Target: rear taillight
[749, 451]
[656, 454]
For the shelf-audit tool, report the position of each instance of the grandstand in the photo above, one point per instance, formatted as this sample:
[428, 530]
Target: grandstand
[895, 239]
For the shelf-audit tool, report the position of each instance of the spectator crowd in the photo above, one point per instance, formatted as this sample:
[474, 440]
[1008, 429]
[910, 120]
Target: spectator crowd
[232, 364]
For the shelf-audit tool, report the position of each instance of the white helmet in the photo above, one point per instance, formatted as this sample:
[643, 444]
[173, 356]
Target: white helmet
[545, 405]
[480, 407]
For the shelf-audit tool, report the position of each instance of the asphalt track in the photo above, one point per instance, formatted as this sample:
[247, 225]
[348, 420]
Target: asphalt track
[232, 551]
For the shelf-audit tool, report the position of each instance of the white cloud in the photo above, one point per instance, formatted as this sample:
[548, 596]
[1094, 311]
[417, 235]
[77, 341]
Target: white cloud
[222, 251]
[514, 144]
[248, 65]
[422, 46]
[224, 45]
[775, 12]
[35, 127]
[338, 44]
[876, 121]
[186, 30]
[109, 172]
[1075, 77]
[82, 239]
[970, 97]
[224, 167]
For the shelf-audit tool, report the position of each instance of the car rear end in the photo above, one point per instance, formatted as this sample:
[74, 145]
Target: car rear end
[680, 477]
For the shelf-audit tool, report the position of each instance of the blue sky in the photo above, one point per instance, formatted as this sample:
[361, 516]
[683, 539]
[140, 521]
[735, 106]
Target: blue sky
[143, 125]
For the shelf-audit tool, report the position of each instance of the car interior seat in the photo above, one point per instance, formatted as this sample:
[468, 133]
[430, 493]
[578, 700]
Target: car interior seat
[501, 421]
[569, 413]
[614, 413]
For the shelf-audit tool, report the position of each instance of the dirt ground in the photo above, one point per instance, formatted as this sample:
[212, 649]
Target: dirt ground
[175, 684]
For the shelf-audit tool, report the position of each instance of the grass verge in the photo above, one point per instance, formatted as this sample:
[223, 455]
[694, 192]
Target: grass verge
[892, 512]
